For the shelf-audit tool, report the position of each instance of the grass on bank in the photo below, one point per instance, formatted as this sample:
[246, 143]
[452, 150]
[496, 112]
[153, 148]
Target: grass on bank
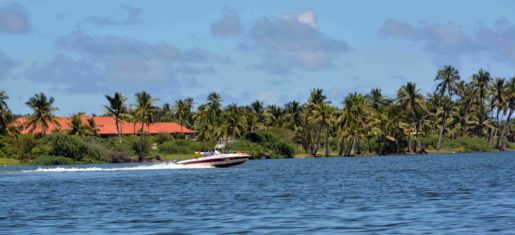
[10, 162]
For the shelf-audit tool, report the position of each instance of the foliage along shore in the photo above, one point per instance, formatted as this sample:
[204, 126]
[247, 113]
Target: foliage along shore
[459, 116]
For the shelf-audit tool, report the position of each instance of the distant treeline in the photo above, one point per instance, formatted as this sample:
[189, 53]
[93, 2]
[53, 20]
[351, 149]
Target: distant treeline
[481, 107]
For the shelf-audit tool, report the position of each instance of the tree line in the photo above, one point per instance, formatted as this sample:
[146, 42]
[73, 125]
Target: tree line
[480, 107]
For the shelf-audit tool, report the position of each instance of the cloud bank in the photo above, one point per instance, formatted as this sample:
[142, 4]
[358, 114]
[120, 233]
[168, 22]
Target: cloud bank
[92, 63]
[7, 64]
[14, 19]
[449, 42]
[133, 17]
[286, 43]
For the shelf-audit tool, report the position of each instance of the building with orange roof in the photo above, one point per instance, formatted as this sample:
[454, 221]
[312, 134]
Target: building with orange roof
[106, 126]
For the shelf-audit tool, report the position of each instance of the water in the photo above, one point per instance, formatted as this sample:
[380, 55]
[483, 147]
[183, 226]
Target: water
[453, 194]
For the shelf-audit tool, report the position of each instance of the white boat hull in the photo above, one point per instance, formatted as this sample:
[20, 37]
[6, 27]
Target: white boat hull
[221, 160]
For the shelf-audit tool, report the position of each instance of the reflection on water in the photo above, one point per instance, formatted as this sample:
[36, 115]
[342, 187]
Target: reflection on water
[461, 193]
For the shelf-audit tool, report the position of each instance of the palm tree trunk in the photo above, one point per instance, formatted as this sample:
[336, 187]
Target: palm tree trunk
[498, 145]
[506, 124]
[440, 135]
[327, 141]
[418, 146]
[409, 144]
[351, 148]
[340, 147]
[141, 138]
[117, 122]
[319, 135]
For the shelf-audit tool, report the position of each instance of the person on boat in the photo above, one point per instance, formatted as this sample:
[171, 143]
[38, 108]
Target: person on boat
[217, 152]
[205, 153]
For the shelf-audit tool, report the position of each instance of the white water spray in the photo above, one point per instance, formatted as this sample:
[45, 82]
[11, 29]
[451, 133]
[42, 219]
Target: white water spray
[161, 166]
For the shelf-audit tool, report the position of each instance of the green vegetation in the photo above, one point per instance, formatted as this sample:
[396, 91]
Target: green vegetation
[53, 160]
[183, 147]
[459, 116]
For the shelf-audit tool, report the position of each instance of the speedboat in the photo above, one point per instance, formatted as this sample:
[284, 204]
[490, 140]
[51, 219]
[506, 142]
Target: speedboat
[217, 160]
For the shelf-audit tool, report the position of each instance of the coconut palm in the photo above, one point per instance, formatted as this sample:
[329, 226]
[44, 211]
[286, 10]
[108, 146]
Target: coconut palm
[510, 98]
[499, 102]
[182, 112]
[5, 113]
[449, 78]
[412, 102]
[77, 127]
[292, 115]
[316, 99]
[444, 110]
[480, 82]
[188, 103]
[43, 113]
[273, 114]
[233, 123]
[165, 113]
[117, 109]
[203, 129]
[145, 110]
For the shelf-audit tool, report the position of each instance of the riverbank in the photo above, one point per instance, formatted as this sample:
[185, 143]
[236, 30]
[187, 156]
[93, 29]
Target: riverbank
[172, 157]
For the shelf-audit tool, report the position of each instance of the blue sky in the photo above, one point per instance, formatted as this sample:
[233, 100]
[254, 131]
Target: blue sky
[274, 51]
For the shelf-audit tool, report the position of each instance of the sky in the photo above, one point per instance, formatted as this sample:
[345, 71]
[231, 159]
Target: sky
[274, 51]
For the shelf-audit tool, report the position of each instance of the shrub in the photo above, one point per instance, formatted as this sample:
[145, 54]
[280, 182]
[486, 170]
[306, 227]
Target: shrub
[163, 137]
[8, 149]
[255, 150]
[183, 146]
[52, 160]
[119, 157]
[467, 144]
[73, 147]
[141, 147]
[24, 147]
[272, 142]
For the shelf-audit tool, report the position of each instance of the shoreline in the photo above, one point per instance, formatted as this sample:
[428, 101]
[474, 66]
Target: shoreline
[7, 162]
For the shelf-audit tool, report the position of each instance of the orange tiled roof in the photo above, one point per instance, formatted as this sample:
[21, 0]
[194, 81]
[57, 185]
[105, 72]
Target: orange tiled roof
[107, 126]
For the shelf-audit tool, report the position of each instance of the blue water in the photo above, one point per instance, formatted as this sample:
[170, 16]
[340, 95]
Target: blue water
[453, 194]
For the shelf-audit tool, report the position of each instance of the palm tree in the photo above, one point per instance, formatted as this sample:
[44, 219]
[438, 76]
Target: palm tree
[444, 110]
[499, 103]
[203, 129]
[5, 113]
[214, 103]
[165, 113]
[293, 115]
[188, 102]
[43, 113]
[354, 121]
[377, 98]
[273, 114]
[449, 78]
[316, 99]
[258, 108]
[181, 110]
[145, 110]
[480, 82]
[411, 100]
[77, 127]
[116, 109]
[510, 97]
[233, 123]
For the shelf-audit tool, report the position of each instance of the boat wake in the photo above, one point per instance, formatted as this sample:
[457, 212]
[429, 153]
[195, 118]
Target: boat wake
[161, 166]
